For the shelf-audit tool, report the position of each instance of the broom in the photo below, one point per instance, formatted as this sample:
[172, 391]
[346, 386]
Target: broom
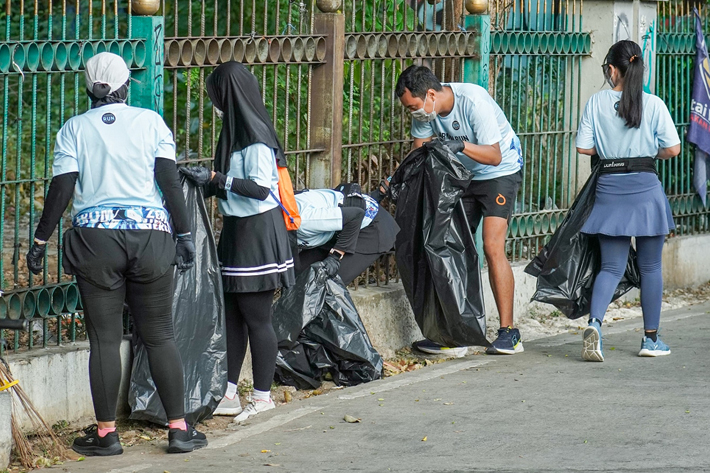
[47, 440]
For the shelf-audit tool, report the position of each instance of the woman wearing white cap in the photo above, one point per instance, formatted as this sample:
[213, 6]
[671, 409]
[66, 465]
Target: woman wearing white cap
[112, 160]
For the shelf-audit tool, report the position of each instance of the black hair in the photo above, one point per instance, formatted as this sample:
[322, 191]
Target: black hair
[627, 57]
[418, 79]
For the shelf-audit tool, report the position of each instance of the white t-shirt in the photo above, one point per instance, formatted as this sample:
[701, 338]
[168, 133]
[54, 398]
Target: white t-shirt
[602, 128]
[113, 148]
[478, 119]
[256, 162]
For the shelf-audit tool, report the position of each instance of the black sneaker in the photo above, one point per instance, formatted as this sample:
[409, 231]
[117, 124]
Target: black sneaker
[184, 441]
[91, 445]
[507, 343]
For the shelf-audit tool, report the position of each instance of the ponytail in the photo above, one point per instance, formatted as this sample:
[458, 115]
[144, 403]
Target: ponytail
[626, 56]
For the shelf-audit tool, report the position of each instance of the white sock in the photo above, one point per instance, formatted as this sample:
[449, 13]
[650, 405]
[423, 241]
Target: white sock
[261, 395]
[231, 391]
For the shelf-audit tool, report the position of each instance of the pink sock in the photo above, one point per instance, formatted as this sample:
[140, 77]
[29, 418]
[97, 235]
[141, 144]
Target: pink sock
[105, 432]
[178, 424]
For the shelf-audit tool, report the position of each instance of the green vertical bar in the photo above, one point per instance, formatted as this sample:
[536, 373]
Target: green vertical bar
[476, 71]
[148, 93]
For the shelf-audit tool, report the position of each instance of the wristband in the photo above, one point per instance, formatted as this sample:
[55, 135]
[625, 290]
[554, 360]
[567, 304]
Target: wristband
[40, 242]
[228, 184]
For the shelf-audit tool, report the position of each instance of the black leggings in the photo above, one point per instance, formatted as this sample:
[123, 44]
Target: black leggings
[151, 307]
[248, 317]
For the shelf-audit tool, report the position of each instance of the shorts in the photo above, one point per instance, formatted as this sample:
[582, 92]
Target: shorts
[491, 198]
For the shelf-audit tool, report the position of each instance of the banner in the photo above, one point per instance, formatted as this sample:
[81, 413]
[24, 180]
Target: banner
[699, 128]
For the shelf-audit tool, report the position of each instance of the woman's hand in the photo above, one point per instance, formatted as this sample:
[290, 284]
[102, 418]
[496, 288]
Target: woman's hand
[200, 175]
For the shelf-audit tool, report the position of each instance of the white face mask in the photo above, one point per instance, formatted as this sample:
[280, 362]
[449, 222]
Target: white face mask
[424, 116]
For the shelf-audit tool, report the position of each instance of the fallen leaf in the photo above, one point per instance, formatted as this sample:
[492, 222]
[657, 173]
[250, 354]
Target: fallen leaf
[448, 403]
[424, 439]
[585, 441]
[266, 451]
[145, 437]
[381, 399]
[271, 464]
[437, 399]
[687, 412]
[287, 396]
[81, 459]
[381, 405]
[332, 428]
[350, 419]
[277, 443]
[612, 348]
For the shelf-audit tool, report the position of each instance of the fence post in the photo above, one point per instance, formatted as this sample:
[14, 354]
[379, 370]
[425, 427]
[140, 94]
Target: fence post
[148, 91]
[475, 70]
[326, 120]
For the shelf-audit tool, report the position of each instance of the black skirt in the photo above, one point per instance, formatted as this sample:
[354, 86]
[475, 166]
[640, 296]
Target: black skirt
[255, 254]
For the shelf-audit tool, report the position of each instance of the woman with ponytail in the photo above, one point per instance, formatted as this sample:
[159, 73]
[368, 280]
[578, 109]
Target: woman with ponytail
[628, 130]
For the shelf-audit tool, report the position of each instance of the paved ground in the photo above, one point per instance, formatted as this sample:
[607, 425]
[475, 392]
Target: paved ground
[544, 410]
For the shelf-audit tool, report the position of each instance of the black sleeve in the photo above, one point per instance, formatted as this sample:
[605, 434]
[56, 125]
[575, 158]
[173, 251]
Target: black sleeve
[347, 237]
[245, 187]
[166, 176]
[60, 192]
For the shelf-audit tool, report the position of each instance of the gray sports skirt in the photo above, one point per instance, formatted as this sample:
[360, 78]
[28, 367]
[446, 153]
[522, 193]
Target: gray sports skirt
[630, 205]
[254, 253]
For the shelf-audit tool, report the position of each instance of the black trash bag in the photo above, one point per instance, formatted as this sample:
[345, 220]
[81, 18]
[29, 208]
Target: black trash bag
[435, 250]
[568, 264]
[198, 318]
[320, 333]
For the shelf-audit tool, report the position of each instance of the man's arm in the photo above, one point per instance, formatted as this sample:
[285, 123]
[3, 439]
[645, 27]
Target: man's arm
[419, 142]
[484, 154]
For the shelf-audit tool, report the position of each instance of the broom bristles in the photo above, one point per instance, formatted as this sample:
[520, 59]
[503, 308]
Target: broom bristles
[48, 440]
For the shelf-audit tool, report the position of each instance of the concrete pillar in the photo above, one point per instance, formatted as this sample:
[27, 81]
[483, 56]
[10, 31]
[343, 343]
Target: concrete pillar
[5, 428]
[609, 22]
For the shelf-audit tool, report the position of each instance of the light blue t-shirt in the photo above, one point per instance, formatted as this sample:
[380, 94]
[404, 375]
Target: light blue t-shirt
[602, 128]
[478, 119]
[320, 216]
[113, 148]
[256, 162]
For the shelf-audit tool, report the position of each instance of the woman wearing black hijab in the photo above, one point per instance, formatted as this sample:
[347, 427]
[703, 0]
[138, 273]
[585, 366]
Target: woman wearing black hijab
[253, 248]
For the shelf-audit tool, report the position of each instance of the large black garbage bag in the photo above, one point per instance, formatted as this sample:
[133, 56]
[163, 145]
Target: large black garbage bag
[435, 250]
[568, 264]
[320, 332]
[198, 318]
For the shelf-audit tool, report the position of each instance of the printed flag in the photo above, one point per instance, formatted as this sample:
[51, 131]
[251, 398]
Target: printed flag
[699, 128]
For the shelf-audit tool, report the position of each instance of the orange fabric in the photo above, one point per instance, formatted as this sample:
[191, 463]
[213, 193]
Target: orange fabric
[288, 200]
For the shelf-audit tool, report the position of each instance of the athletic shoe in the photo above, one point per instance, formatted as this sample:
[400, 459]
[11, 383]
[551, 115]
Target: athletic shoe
[184, 441]
[228, 407]
[592, 342]
[255, 406]
[91, 445]
[433, 348]
[651, 348]
[507, 343]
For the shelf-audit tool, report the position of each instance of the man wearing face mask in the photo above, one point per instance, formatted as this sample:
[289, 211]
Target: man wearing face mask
[472, 125]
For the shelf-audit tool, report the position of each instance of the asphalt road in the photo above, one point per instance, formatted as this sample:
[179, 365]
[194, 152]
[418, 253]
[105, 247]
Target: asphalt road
[542, 410]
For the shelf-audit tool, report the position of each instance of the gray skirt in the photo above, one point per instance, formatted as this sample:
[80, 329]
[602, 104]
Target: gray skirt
[630, 205]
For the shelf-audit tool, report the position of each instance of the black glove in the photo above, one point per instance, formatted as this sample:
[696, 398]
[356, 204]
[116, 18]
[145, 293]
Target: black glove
[331, 265]
[200, 175]
[185, 252]
[454, 145]
[35, 257]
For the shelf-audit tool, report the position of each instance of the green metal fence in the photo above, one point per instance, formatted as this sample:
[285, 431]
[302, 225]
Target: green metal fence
[536, 54]
[674, 81]
[42, 52]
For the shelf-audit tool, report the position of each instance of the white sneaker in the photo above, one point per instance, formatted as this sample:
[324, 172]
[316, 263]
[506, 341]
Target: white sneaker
[228, 407]
[254, 407]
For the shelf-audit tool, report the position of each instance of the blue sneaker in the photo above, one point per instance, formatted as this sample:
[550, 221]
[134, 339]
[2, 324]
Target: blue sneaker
[651, 348]
[433, 348]
[592, 342]
[507, 343]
